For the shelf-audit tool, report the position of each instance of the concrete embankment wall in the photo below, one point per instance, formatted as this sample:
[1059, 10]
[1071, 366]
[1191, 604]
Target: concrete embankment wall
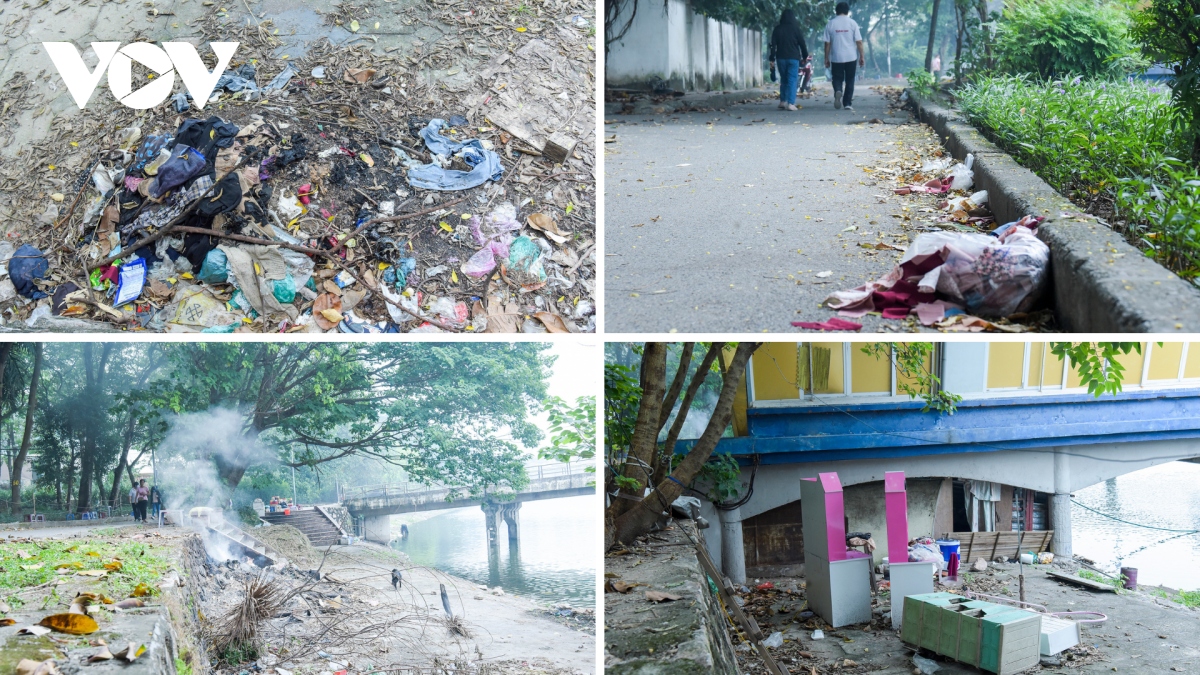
[669, 41]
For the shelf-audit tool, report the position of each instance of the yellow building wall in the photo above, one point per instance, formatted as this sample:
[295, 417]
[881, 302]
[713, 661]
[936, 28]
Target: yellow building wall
[1133, 363]
[1006, 361]
[1192, 369]
[869, 374]
[774, 368]
[1164, 360]
[911, 381]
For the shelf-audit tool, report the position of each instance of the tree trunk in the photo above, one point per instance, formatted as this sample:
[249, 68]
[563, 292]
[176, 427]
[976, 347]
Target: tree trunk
[70, 476]
[644, 445]
[932, 37]
[18, 463]
[638, 520]
[664, 466]
[887, 36]
[960, 19]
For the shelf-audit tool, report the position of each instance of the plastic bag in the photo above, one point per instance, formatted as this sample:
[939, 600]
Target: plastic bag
[992, 276]
[927, 552]
[525, 264]
[215, 269]
[284, 289]
[453, 313]
[962, 174]
[775, 641]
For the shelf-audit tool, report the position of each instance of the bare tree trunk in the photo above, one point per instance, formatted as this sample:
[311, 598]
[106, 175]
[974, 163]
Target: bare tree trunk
[960, 19]
[644, 445]
[19, 462]
[638, 520]
[664, 466]
[932, 37]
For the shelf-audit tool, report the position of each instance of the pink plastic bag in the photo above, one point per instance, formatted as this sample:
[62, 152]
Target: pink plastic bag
[494, 233]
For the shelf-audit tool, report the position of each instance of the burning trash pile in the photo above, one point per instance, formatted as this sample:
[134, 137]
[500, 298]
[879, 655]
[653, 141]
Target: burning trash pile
[338, 192]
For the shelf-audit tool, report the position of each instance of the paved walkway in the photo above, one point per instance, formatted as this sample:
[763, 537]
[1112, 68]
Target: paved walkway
[722, 221]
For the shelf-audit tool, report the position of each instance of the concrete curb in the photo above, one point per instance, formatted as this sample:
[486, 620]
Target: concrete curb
[1100, 282]
[713, 99]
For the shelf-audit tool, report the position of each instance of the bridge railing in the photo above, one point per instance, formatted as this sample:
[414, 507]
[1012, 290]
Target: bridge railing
[384, 490]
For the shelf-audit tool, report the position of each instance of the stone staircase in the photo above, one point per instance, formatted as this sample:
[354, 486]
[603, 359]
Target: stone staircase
[242, 543]
[318, 527]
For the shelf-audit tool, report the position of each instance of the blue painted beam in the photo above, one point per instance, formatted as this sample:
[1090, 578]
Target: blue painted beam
[844, 430]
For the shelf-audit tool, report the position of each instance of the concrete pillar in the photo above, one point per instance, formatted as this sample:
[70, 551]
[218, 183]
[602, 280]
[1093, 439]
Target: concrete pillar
[1060, 505]
[377, 529]
[733, 555]
[491, 519]
[511, 514]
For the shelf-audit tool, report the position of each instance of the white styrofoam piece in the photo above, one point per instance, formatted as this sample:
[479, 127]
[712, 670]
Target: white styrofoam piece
[1058, 634]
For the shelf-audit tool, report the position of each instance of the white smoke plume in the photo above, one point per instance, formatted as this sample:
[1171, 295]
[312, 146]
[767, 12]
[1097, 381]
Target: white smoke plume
[187, 469]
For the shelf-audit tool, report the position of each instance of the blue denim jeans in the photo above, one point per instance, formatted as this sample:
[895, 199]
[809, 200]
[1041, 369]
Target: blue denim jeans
[789, 69]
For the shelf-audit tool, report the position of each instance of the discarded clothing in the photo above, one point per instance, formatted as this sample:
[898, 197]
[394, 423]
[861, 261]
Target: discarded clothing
[176, 202]
[185, 163]
[832, 324]
[148, 151]
[28, 264]
[937, 186]
[485, 164]
[226, 196]
[990, 276]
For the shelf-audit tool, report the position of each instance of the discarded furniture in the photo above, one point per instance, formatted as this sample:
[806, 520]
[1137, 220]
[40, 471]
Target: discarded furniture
[908, 578]
[1080, 581]
[1057, 634]
[993, 637]
[839, 579]
[989, 545]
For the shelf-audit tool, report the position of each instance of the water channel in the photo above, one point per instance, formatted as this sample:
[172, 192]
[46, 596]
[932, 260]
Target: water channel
[554, 561]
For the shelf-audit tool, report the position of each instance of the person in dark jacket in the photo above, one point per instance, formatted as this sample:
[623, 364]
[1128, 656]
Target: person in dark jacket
[787, 50]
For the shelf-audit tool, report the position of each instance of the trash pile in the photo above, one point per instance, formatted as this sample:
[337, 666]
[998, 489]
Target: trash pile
[961, 273]
[342, 191]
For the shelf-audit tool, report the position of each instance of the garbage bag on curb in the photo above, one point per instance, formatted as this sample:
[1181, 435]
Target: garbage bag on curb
[989, 276]
[485, 164]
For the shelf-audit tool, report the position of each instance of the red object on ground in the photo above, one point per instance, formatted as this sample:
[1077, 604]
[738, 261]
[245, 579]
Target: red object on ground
[832, 324]
[952, 567]
[765, 586]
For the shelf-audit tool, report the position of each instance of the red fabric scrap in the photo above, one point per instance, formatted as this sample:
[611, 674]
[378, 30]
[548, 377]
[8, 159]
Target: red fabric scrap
[832, 324]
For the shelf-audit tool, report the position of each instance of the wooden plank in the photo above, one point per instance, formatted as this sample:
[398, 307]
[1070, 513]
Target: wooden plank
[1080, 581]
[749, 625]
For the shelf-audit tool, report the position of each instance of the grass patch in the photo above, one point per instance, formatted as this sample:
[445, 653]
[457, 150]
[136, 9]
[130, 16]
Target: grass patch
[1188, 598]
[1111, 147]
[32, 564]
[1100, 578]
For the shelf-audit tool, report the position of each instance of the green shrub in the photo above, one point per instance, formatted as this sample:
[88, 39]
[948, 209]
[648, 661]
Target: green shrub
[1063, 38]
[921, 81]
[1111, 147]
[1168, 32]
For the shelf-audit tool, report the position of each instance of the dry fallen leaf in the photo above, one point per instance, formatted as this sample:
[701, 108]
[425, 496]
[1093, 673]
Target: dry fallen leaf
[38, 566]
[33, 630]
[500, 319]
[102, 655]
[546, 225]
[29, 667]
[660, 596]
[618, 586]
[73, 624]
[131, 653]
[323, 303]
[140, 591]
[7, 622]
[130, 603]
[553, 322]
[358, 75]
[92, 573]
[114, 566]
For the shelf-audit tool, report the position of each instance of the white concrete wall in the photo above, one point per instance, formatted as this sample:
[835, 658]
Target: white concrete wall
[671, 42]
[1086, 465]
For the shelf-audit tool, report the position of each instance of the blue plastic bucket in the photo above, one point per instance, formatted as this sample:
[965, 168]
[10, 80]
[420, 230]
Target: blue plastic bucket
[948, 546]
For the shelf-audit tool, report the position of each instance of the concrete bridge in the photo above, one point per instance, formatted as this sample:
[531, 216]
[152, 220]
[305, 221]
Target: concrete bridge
[376, 504]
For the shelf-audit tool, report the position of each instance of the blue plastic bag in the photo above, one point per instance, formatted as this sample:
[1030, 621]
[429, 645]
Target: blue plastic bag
[215, 269]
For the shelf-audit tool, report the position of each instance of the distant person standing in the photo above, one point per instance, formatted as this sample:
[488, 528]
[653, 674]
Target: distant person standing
[935, 66]
[133, 500]
[788, 49]
[155, 501]
[143, 500]
[843, 48]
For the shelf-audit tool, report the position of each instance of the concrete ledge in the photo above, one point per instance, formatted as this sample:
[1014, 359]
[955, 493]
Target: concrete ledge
[1100, 282]
[41, 525]
[704, 99]
[684, 637]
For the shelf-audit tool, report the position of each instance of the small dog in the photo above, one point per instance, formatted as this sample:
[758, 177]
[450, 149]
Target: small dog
[397, 579]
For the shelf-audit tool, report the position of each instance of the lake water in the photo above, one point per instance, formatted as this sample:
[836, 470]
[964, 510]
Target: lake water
[1165, 496]
[554, 562]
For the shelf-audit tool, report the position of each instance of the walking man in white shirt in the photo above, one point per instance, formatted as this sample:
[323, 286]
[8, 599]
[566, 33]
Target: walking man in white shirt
[843, 48]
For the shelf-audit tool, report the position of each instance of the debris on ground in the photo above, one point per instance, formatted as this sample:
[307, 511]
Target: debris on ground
[341, 190]
[290, 542]
[957, 270]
